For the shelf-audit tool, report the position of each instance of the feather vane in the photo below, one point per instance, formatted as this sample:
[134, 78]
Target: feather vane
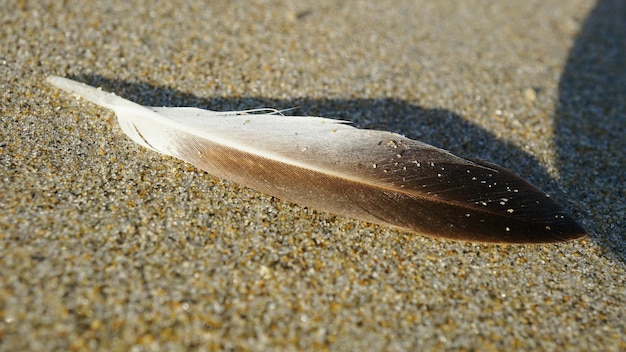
[375, 176]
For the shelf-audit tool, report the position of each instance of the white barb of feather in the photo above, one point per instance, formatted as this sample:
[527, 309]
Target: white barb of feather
[375, 176]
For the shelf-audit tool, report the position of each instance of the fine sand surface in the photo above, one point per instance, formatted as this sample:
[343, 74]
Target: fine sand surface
[105, 245]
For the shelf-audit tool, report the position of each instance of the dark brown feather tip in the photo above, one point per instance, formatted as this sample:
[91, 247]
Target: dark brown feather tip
[476, 201]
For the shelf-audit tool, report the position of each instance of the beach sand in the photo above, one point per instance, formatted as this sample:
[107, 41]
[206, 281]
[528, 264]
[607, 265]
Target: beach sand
[105, 245]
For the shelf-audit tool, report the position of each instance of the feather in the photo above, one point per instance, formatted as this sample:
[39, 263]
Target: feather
[375, 176]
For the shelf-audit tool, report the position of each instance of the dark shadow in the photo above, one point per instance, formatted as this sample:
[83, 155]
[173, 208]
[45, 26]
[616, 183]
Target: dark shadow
[437, 127]
[590, 125]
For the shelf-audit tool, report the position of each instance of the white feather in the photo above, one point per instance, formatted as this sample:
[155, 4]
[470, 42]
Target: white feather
[328, 164]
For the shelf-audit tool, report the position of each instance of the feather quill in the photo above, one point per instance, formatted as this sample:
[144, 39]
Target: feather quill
[375, 176]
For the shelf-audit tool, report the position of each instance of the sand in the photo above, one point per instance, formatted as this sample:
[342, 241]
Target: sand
[105, 245]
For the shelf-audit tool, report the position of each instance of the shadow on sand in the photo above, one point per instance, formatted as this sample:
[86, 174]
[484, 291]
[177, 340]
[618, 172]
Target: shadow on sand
[590, 123]
[592, 90]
